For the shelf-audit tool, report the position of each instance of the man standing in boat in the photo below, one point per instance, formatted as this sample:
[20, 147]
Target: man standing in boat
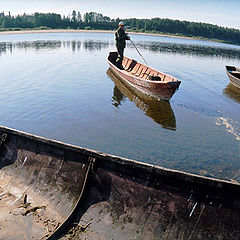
[121, 38]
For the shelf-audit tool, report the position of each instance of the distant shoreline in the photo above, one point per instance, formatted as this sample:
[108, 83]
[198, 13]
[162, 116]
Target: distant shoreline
[102, 31]
[84, 31]
[54, 31]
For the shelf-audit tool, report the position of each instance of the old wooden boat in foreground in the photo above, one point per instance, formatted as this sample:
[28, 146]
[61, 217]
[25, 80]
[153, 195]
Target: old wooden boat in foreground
[53, 190]
[234, 75]
[144, 78]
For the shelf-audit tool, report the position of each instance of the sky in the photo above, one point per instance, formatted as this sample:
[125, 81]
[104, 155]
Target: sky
[220, 12]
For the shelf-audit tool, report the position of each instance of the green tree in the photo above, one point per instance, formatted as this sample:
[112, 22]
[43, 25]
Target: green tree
[79, 17]
[93, 20]
[74, 16]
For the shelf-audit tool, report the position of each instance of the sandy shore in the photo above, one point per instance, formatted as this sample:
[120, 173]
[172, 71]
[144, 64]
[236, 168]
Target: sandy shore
[53, 31]
[84, 31]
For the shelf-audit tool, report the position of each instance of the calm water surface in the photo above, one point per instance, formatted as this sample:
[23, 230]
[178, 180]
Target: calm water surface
[59, 86]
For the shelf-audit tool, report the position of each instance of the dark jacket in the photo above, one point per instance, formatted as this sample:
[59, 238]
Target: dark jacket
[121, 38]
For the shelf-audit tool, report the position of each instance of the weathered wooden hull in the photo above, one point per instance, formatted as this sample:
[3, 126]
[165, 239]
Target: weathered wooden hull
[100, 196]
[163, 89]
[234, 75]
[124, 206]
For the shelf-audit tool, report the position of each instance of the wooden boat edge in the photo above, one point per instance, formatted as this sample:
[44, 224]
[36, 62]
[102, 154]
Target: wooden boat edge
[125, 165]
[231, 76]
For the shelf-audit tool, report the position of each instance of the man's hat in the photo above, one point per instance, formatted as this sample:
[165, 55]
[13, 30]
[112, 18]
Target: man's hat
[121, 23]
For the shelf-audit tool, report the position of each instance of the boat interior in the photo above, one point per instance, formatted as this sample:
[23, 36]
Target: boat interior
[236, 74]
[37, 193]
[234, 71]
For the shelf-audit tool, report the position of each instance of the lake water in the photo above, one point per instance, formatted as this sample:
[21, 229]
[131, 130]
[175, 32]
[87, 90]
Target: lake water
[58, 85]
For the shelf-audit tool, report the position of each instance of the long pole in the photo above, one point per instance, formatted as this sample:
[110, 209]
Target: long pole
[138, 51]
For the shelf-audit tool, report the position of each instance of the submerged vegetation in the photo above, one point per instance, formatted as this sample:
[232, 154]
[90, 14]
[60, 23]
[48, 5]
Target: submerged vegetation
[93, 20]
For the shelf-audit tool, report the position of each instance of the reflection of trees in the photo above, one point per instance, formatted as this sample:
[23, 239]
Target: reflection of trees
[91, 45]
[3, 48]
[159, 111]
[95, 45]
[8, 47]
[38, 45]
[76, 46]
[190, 49]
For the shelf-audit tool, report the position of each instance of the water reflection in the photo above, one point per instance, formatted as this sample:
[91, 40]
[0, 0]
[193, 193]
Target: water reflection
[232, 92]
[190, 49]
[95, 45]
[160, 111]
[76, 45]
[8, 47]
[156, 46]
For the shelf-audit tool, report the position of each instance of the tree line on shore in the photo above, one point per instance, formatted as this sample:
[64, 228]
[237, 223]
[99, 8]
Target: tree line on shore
[93, 20]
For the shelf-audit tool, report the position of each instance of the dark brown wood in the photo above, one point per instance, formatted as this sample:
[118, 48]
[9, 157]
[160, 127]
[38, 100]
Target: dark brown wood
[123, 199]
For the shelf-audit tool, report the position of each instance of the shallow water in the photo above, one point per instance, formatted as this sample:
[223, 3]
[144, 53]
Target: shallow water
[58, 85]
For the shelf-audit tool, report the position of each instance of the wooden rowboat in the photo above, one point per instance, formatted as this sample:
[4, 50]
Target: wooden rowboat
[234, 75]
[52, 190]
[144, 78]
